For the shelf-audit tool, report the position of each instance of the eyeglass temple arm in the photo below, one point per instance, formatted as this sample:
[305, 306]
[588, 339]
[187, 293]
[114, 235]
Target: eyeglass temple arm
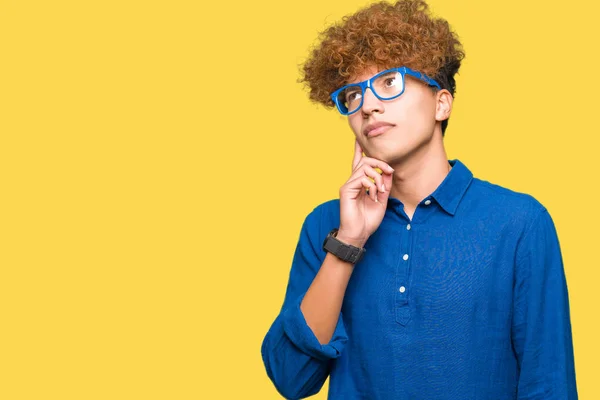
[423, 77]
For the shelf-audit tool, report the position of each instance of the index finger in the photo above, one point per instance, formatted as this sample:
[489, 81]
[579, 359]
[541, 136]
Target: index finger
[357, 154]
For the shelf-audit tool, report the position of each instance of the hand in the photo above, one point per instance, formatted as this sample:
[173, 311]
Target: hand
[362, 213]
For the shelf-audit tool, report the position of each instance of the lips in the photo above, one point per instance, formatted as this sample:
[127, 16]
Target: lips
[377, 129]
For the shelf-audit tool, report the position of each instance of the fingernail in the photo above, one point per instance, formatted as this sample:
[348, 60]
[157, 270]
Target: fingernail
[383, 187]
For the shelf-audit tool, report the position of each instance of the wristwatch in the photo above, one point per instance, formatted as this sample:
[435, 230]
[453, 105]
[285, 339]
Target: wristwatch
[343, 251]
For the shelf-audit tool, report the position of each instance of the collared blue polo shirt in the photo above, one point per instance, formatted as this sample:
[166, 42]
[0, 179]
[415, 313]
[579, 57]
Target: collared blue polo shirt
[468, 300]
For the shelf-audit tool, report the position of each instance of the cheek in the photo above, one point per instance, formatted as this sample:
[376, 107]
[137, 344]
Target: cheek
[420, 113]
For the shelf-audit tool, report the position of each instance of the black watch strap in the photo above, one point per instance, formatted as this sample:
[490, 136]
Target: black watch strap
[343, 251]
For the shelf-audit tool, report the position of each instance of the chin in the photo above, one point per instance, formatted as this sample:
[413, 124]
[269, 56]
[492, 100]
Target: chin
[383, 154]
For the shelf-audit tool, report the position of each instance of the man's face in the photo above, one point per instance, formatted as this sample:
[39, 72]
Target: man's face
[412, 116]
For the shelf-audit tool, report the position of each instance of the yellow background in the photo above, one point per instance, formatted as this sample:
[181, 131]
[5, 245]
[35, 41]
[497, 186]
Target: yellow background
[158, 158]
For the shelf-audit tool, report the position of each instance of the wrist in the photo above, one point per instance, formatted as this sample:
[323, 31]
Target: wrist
[347, 239]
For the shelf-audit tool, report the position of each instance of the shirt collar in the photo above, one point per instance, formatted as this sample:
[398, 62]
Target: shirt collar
[452, 189]
[450, 192]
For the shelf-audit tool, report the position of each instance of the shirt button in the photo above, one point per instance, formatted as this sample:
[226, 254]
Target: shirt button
[405, 257]
[402, 289]
[427, 202]
[408, 227]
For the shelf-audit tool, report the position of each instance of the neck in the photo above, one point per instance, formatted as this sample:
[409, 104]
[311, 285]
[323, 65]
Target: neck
[417, 176]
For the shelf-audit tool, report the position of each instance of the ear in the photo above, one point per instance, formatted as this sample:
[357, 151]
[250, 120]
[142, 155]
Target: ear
[443, 106]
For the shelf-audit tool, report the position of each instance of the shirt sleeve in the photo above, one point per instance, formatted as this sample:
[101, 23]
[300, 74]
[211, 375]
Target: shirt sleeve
[541, 326]
[295, 361]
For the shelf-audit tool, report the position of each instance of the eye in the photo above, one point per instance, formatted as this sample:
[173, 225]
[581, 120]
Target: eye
[389, 82]
[352, 96]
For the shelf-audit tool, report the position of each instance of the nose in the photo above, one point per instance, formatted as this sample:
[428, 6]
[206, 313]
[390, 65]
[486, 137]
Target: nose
[371, 103]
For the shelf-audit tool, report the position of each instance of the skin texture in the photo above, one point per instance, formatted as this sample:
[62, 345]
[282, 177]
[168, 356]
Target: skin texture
[414, 146]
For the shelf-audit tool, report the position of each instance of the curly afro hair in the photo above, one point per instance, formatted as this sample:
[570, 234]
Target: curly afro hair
[384, 35]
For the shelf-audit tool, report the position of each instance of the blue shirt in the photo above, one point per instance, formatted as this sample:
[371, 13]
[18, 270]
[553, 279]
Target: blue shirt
[468, 300]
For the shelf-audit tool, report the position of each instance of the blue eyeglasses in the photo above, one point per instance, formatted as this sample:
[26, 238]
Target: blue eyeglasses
[386, 85]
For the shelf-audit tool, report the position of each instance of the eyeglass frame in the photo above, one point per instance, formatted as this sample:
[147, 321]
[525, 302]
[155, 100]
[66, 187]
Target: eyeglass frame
[368, 84]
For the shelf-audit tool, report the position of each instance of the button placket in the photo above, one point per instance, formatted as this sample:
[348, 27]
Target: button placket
[402, 307]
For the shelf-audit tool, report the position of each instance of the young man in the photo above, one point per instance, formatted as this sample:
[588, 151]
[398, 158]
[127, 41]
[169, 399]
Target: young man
[432, 284]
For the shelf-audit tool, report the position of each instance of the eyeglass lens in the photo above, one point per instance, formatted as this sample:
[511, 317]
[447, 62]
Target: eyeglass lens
[385, 86]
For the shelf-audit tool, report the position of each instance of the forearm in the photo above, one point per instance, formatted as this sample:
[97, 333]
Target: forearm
[323, 300]
[296, 360]
[309, 333]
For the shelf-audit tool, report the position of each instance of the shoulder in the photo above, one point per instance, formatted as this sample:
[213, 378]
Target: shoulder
[519, 216]
[520, 208]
